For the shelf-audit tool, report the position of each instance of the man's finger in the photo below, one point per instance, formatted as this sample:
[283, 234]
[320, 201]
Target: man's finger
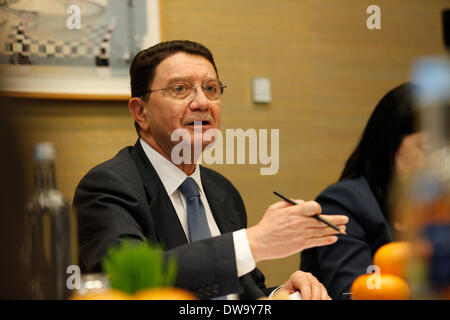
[335, 219]
[305, 288]
[305, 291]
[316, 292]
[322, 241]
[311, 233]
[326, 230]
[316, 287]
[306, 209]
[325, 295]
[310, 208]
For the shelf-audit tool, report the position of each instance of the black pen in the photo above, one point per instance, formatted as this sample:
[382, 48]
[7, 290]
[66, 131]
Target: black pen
[316, 216]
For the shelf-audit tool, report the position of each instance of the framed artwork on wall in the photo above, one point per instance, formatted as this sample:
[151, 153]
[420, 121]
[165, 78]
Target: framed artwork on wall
[73, 49]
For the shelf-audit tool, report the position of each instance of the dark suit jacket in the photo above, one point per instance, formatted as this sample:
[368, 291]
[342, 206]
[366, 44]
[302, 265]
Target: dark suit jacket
[124, 198]
[337, 265]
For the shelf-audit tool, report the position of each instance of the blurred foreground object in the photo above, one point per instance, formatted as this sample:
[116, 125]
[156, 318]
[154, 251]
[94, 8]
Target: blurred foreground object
[446, 28]
[167, 293]
[389, 282]
[49, 237]
[14, 277]
[96, 286]
[423, 207]
[380, 287]
[139, 269]
[394, 258]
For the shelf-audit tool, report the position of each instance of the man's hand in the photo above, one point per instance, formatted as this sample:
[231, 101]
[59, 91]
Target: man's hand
[286, 229]
[309, 287]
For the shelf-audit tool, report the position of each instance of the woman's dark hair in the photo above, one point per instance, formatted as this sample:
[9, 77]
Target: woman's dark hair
[142, 70]
[374, 157]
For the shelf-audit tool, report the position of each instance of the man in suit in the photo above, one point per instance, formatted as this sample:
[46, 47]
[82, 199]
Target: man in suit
[195, 213]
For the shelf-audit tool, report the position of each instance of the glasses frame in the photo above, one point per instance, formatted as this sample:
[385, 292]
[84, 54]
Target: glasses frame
[193, 89]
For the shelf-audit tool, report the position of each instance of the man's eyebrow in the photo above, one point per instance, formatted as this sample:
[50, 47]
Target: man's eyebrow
[179, 79]
[186, 79]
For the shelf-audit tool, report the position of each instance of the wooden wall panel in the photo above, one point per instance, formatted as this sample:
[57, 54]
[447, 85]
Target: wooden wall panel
[327, 69]
[84, 133]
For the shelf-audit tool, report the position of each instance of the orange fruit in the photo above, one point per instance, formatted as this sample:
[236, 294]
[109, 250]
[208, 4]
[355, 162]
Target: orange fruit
[445, 295]
[164, 293]
[386, 287]
[108, 294]
[393, 258]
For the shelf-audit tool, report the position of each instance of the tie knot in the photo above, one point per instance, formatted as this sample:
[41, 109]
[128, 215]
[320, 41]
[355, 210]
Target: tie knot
[189, 188]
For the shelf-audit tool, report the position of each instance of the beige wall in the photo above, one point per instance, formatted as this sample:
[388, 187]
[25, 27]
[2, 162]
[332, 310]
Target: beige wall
[327, 70]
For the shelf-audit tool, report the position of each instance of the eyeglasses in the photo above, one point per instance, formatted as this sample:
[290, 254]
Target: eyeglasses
[212, 89]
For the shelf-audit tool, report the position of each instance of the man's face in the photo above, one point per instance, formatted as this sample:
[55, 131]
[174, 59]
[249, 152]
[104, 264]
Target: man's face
[166, 113]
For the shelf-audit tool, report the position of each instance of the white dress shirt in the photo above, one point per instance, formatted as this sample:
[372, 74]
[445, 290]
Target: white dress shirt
[172, 177]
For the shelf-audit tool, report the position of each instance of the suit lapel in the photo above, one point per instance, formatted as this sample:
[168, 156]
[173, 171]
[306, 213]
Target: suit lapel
[167, 225]
[227, 219]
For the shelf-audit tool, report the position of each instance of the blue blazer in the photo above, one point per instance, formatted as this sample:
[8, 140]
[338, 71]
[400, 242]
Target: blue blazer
[337, 265]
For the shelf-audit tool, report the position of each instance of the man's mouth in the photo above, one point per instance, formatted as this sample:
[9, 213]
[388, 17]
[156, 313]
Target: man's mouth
[199, 122]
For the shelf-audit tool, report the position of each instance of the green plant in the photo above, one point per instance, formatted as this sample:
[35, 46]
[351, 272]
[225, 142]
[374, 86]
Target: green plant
[135, 266]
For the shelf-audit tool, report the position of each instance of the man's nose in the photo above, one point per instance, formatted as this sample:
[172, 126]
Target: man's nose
[199, 100]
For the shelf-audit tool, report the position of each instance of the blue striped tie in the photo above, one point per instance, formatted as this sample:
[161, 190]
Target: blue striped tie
[198, 224]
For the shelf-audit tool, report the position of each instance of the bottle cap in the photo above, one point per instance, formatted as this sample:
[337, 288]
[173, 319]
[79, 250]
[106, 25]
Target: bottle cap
[44, 151]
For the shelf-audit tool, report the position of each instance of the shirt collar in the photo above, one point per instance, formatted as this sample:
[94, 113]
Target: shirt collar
[171, 176]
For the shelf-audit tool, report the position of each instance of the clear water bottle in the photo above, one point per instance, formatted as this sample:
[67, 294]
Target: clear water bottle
[50, 229]
[424, 209]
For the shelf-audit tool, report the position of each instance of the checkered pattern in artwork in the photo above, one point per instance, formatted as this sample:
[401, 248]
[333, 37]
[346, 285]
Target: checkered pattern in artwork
[90, 46]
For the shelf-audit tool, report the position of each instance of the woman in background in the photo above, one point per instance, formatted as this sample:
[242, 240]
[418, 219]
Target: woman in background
[390, 149]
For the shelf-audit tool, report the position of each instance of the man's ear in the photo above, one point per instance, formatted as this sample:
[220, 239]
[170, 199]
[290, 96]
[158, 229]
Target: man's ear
[139, 113]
